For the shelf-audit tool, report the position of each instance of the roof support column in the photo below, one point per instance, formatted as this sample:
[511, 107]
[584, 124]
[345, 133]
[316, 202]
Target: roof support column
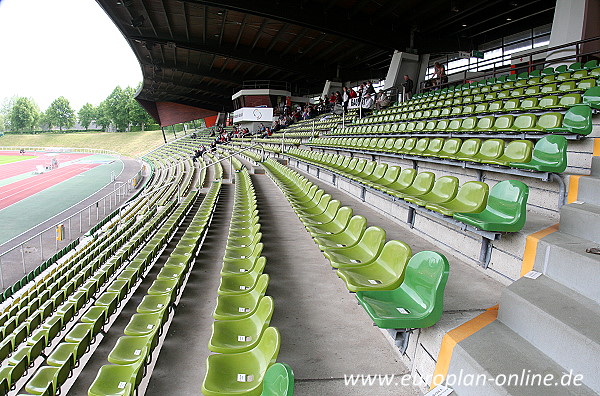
[573, 20]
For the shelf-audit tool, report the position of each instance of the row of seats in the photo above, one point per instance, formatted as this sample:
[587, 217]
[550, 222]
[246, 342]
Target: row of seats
[37, 271]
[133, 350]
[548, 74]
[505, 211]
[54, 297]
[65, 356]
[245, 346]
[52, 305]
[548, 155]
[576, 120]
[364, 261]
[472, 106]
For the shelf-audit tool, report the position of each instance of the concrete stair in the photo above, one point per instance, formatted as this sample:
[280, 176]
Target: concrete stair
[556, 256]
[548, 325]
[581, 220]
[495, 353]
[561, 323]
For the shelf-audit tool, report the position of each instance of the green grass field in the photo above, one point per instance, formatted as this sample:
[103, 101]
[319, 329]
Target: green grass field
[7, 159]
[131, 144]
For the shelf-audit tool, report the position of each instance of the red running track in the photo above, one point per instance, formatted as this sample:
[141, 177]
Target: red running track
[20, 167]
[17, 191]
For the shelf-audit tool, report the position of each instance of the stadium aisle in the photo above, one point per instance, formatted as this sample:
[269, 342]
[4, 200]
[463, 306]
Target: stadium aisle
[325, 334]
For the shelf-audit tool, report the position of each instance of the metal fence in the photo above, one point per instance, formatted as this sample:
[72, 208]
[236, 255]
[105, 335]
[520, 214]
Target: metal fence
[22, 256]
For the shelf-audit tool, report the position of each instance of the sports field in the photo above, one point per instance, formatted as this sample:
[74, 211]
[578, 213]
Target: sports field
[31, 191]
[7, 159]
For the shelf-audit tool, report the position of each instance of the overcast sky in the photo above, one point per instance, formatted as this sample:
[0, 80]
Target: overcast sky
[70, 48]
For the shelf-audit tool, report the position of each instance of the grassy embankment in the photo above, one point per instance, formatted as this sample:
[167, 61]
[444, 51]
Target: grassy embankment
[130, 144]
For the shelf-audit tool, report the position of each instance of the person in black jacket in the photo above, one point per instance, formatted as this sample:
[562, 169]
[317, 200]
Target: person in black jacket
[408, 88]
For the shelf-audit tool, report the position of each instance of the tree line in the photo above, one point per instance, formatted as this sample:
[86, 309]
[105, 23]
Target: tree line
[119, 110]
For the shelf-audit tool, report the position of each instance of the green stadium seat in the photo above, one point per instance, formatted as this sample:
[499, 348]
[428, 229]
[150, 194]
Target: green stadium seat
[232, 284]
[418, 302]
[116, 380]
[349, 236]
[234, 336]
[471, 198]
[468, 150]
[405, 179]
[48, 379]
[245, 264]
[450, 148]
[506, 209]
[241, 306]
[544, 123]
[549, 155]
[444, 189]
[130, 350]
[278, 381]
[67, 352]
[363, 252]
[591, 64]
[339, 222]
[241, 373]
[578, 120]
[491, 149]
[591, 97]
[386, 272]
[517, 151]
[421, 185]
[434, 147]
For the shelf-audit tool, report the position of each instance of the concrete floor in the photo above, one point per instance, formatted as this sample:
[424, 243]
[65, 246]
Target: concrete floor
[325, 334]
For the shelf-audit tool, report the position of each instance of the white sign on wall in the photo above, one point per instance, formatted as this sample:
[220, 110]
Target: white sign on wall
[256, 114]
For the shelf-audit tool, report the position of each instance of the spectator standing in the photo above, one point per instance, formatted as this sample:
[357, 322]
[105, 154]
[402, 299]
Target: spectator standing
[439, 73]
[408, 88]
[345, 98]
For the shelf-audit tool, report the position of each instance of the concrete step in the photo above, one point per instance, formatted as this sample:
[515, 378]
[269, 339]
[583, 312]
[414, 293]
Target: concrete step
[581, 220]
[596, 166]
[556, 256]
[589, 189]
[498, 353]
[561, 323]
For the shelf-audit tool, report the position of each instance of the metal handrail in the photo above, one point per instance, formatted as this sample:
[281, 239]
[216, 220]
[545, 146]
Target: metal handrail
[531, 64]
[237, 152]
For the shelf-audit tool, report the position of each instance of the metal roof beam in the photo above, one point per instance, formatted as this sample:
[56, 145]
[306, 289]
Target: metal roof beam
[381, 37]
[255, 56]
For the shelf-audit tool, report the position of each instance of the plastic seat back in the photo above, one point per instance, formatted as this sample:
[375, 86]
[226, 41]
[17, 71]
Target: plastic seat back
[504, 123]
[518, 151]
[278, 381]
[549, 120]
[473, 194]
[434, 147]
[444, 189]
[524, 122]
[469, 149]
[548, 102]
[451, 147]
[508, 199]
[578, 119]
[511, 105]
[391, 174]
[404, 180]
[591, 97]
[409, 144]
[549, 155]
[490, 149]
[528, 104]
[420, 147]
[485, 123]
[425, 280]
